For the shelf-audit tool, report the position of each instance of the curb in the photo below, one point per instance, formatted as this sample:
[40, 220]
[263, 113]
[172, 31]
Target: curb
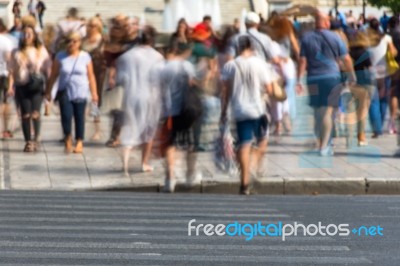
[282, 186]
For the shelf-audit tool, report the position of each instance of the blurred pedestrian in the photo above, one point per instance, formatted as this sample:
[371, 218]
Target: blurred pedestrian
[177, 77]
[6, 47]
[394, 32]
[16, 29]
[384, 20]
[16, 9]
[40, 8]
[381, 44]
[247, 79]
[320, 52]
[181, 35]
[138, 72]
[29, 67]
[74, 68]
[94, 44]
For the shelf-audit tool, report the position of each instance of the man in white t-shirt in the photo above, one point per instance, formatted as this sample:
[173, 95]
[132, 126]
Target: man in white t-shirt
[246, 80]
[6, 47]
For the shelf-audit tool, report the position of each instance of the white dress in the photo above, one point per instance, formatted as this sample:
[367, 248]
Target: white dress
[138, 72]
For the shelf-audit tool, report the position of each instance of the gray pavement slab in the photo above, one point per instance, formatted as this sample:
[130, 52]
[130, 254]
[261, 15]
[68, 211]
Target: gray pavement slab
[290, 166]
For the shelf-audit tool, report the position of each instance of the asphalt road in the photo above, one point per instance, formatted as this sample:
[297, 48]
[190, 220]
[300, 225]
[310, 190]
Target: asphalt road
[76, 228]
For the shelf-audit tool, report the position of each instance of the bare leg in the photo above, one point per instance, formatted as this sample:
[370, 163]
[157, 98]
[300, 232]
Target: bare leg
[257, 155]
[146, 153]
[170, 158]
[244, 162]
[97, 131]
[326, 127]
[125, 160]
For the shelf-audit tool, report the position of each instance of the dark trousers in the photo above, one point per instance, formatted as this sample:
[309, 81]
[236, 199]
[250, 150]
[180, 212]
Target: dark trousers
[72, 109]
[30, 103]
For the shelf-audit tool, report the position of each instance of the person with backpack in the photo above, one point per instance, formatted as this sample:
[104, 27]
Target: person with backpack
[138, 72]
[181, 109]
[246, 80]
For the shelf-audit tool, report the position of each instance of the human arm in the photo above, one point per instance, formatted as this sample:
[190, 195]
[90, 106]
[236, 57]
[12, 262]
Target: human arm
[300, 74]
[55, 72]
[92, 82]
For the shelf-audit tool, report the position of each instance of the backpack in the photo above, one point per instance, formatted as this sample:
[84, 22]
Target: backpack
[192, 108]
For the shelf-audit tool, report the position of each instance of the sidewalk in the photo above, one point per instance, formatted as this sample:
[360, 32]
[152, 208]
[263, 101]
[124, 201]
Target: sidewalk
[290, 167]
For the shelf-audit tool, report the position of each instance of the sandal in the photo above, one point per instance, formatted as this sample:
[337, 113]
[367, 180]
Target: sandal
[112, 143]
[7, 134]
[29, 147]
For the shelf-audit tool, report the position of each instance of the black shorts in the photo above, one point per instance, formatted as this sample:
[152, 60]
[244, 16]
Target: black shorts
[3, 88]
[176, 136]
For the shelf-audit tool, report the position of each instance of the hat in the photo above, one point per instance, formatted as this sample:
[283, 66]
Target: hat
[252, 18]
[201, 33]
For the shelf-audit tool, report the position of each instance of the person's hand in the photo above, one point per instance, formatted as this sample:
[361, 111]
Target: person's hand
[111, 83]
[95, 98]
[299, 88]
[10, 93]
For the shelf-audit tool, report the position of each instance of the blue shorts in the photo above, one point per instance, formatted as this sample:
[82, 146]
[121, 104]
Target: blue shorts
[324, 91]
[247, 130]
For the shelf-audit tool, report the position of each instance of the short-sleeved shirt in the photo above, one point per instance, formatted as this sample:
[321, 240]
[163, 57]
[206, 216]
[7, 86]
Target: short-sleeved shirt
[249, 76]
[74, 75]
[261, 46]
[5, 50]
[32, 60]
[175, 79]
[322, 48]
[395, 34]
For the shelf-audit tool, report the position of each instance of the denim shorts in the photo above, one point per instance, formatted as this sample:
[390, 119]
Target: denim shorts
[247, 130]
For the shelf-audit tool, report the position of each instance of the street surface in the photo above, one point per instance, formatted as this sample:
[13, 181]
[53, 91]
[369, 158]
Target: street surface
[99, 228]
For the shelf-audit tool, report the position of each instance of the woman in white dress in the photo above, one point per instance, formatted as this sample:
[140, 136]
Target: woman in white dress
[138, 73]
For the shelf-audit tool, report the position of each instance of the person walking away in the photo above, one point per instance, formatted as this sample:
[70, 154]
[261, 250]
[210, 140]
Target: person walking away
[381, 44]
[138, 72]
[74, 68]
[177, 77]
[40, 8]
[320, 52]
[94, 44]
[246, 80]
[30, 65]
[359, 46]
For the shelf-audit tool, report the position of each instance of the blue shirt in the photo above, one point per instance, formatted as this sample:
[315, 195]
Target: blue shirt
[322, 49]
[74, 75]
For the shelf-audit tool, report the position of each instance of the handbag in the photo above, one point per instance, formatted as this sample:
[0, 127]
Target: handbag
[392, 65]
[278, 92]
[35, 83]
[61, 93]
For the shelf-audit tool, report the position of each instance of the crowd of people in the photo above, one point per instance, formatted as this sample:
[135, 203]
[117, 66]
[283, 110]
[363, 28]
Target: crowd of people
[163, 92]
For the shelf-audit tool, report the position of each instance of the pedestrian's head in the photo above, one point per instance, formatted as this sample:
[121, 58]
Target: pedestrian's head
[252, 20]
[132, 28]
[148, 36]
[360, 40]
[244, 43]
[119, 28]
[374, 24]
[29, 38]
[73, 13]
[17, 21]
[73, 42]
[94, 26]
[180, 49]
[3, 27]
[28, 21]
[207, 20]
[278, 28]
[183, 27]
[322, 21]
[394, 22]
[236, 24]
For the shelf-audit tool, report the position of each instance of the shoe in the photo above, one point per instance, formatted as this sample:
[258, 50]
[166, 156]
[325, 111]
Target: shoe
[362, 140]
[147, 168]
[29, 147]
[375, 136]
[112, 143]
[392, 128]
[7, 134]
[68, 144]
[78, 147]
[169, 186]
[245, 190]
[194, 179]
[326, 152]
